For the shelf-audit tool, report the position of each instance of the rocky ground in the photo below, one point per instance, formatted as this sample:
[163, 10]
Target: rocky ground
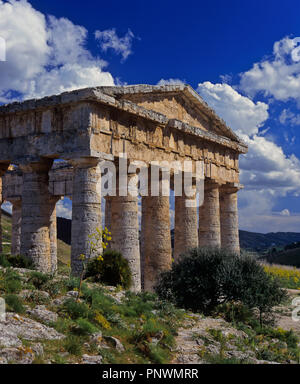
[203, 340]
[40, 333]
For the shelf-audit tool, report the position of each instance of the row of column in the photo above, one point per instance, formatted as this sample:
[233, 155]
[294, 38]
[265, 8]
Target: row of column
[218, 222]
[218, 227]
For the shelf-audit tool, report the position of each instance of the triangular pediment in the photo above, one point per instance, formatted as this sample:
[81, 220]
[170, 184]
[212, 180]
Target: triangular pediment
[178, 102]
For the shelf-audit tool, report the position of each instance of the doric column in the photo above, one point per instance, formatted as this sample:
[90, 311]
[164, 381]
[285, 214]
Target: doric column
[16, 227]
[125, 232]
[209, 216]
[53, 238]
[86, 208]
[157, 251]
[37, 208]
[229, 219]
[186, 224]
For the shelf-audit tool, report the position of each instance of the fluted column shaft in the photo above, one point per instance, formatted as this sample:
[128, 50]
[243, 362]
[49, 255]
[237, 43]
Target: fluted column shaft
[157, 252]
[125, 232]
[37, 208]
[186, 224]
[209, 217]
[86, 209]
[16, 227]
[229, 220]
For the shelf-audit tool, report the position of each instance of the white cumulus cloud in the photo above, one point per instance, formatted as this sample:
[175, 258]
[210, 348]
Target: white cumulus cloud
[45, 55]
[285, 212]
[170, 81]
[64, 208]
[278, 76]
[239, 112]
[289, 117]
[109, 39]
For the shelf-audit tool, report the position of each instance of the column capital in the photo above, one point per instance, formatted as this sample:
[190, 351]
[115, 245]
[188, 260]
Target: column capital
[37, 166]
[211, 184]
[231, 188]
[85, 162]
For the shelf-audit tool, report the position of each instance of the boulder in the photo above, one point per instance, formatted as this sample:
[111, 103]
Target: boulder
[41, 313]
[20, 355]
[88, 359]
[116, 343]
[16, 326]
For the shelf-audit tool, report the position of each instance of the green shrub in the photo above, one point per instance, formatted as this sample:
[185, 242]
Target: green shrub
[157, 354]
[73, 345]
[84, 327]
[38, 279]
[151, 328]
[58, 359]
[100, 302]
[75, 309]
[15, 261]
[235, 312]
[139, 304]
[194, 282]
[62, 325]
[116, 320]
[208, 277]
[53, 287]
[11, 282]
[4, 262]
[112, 270]
[19, 261]
[71, 283]
[14, 304]
[289, 337]
[246, 280]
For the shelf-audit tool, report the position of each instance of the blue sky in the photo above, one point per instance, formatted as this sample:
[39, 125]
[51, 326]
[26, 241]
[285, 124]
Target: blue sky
[241, 56]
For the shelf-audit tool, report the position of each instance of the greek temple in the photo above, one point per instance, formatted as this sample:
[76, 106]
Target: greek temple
[52, 147]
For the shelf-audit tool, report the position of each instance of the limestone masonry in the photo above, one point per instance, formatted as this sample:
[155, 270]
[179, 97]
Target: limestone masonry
[83, 128]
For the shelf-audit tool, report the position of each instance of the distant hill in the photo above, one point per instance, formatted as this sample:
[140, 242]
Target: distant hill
[261, 242]
[285, 257]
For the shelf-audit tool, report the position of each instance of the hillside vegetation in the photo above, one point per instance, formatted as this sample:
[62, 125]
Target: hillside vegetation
[47, 321]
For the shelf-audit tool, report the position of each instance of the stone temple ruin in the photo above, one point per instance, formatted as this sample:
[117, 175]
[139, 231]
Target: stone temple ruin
[84, 127]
